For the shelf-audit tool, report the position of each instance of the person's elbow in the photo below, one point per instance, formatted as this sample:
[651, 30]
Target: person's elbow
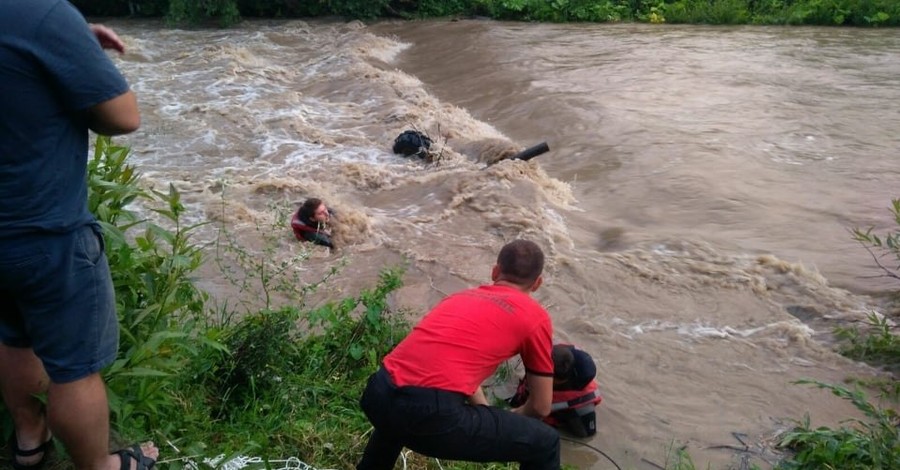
[541, 410]
[116, 116]
[122, 127]
[127, 125]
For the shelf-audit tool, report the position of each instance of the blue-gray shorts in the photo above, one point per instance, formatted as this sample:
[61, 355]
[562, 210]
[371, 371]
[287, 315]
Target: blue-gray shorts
[57, 297]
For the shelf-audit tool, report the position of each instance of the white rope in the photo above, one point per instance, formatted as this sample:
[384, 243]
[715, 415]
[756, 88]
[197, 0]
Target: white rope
[244, 461]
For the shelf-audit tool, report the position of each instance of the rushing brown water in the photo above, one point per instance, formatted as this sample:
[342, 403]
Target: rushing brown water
[694, 205]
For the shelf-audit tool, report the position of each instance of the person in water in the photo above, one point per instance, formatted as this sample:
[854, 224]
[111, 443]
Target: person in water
[310, 223]
[575, 395]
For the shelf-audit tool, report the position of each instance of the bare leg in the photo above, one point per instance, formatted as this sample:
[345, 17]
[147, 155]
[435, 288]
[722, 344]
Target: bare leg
[79, 416]
[22, 377]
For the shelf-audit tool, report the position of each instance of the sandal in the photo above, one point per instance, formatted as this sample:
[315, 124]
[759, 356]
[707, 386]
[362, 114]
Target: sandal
[17, 452]
[134, 453]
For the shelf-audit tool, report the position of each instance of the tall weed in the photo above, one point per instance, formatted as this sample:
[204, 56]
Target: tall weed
[158, 306]
[864, 445]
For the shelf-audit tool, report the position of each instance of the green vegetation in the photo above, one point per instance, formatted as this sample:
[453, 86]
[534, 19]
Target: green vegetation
[885, 246]
[864, 445]
[874, 443]
[794, 12]
[160, 310]
[877, 341]
[201, 381]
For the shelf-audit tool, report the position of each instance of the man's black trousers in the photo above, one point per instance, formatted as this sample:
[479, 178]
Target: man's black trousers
[443, 425]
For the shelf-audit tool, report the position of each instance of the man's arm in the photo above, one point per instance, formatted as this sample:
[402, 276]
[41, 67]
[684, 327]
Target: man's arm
[117, 116]
[540, 397]
[321, 239]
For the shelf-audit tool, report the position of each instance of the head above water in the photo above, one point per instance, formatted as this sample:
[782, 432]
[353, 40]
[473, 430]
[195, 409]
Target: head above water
[313, 210]
[519, 263]
[563, 362]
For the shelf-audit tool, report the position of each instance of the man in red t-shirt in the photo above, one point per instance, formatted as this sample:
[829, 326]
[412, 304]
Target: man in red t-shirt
[427, 396]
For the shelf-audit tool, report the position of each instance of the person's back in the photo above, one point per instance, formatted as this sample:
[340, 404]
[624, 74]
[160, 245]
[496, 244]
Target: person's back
[427, 395]
[46, 114]
[464, 348]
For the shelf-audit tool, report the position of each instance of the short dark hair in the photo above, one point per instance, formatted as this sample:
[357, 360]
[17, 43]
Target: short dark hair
[521, 262]
[308, 209]
[563, 361]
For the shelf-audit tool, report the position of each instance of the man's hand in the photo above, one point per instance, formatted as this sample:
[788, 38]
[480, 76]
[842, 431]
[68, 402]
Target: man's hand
[108, 38]
[540, 397]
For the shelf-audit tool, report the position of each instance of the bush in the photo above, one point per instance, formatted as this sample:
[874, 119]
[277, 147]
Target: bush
[160, 310]
[193, 12]
[865, 445]
[707, 12]
[282, 382]
[876, 344]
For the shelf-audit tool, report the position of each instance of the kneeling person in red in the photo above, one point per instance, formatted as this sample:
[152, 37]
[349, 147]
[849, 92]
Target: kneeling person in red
[427, 395]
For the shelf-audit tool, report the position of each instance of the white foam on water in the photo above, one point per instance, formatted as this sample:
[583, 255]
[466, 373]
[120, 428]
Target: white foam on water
[278, 113]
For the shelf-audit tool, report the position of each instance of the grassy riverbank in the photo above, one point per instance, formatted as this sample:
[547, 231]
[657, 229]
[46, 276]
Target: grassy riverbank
[205, 380]
[283, 381]
[868, 13]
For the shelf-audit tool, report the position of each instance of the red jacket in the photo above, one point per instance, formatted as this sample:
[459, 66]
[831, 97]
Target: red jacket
[308, 233]
[300, 229]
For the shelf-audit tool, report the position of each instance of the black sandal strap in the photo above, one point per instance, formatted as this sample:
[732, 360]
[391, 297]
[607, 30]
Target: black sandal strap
[28, 453]
[134, 453]
[17, 452]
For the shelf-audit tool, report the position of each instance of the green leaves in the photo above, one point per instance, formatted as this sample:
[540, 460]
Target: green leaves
[871, 445]
[356, 331]
[875, 342]
[194, 12]
[156, 301]
[228, 12]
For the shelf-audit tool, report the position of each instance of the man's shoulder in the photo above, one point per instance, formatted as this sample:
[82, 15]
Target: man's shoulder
[28, 13]
[508, 299]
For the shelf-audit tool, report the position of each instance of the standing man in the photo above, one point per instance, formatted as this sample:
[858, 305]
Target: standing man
[428, 397]
[58, 324]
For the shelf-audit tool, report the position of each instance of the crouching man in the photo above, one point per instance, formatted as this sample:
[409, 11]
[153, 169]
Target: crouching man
[427, 396]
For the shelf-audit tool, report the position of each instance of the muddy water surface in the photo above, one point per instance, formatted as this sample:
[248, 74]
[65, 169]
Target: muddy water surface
[693, 206]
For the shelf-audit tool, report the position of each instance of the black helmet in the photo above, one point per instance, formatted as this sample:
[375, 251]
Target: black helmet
[412, 143]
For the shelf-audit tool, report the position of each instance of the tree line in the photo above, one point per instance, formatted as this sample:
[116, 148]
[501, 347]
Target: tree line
[870, 13]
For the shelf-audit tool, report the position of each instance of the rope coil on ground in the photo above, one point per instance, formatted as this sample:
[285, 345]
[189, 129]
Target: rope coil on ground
[244, 461]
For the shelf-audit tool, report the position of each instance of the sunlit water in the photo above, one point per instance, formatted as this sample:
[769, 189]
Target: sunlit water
[694, 205]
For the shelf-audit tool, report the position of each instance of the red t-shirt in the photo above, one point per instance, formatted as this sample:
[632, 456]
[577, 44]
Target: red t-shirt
[465, 337]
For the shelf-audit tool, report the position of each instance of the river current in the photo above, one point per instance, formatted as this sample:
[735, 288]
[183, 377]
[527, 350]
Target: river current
[694, 205]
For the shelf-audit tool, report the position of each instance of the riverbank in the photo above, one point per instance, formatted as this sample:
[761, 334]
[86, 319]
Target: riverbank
[867, 13]
[692, 207]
